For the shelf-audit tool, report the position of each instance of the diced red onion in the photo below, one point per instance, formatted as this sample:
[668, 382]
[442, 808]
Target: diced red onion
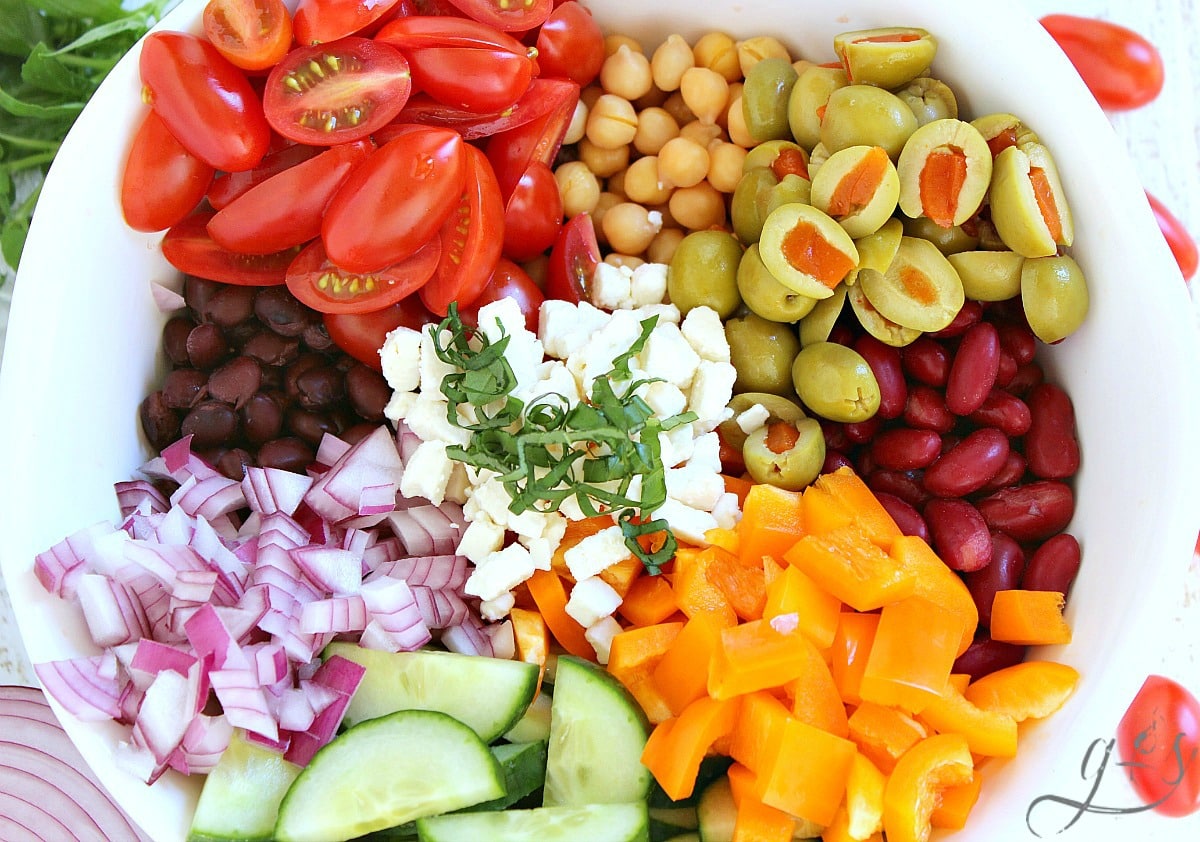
[270, 490]
[425, 530]
[86, 687]
[58, 567]
[396, 623]
[209, 497]
[111, 610]
[330, 449]
[343, 677]
[152, 657]
[440, 608]
[377, 499]
[442, 572]
[469, 638]
[139, 495]
[166, 299]
[504, 642]
[337, 614]
[331, 569]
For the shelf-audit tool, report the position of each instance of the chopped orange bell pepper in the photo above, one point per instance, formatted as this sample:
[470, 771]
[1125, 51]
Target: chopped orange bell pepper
[531, 638]
[883, 733]
[676, 747]
[739, 486]
[576, 531]
[987, 733]
[814, 694]
[1029, 690]
[846, 563]
[848, 654]
[650, 600]
[805, 772]
[744, 587]
[772, 521]
[632, 658]
[755, 656]
[847, 488]
[864, 798]
[956, 804]
[839, 830]
[548, 593]
[759, 726]
[681, 676]
[793, 592]
[938, 583]
[911, 657]
[772, 570]
[694, 592]
[621, 575]
[727, 539]
[1032, 618]
[959, 681]
[756, 821]
[823, 512]
[914, 786]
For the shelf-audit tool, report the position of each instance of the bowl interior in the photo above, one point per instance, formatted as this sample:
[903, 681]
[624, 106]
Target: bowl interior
[82, 351]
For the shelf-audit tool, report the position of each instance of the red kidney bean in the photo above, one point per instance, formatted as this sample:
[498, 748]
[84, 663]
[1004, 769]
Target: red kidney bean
[927, 361]
[1018, 340]
[1030, 512]
[864, 461]
[903, 484]
[174, 339]
[834, 433]
[907, 518]
[1027, 376]
[288, 453]
[905, 449]
[968, 466]
[884, 361]
[861, 432]
[960, 534]
[1005, 411]
[1053, 565]
[1006, 369]
[206, 346]
[1010, 473]
[985, 656]
[925, 409]
[841, 335]
[1003, 574]
[973, 370]
[967, 317]
[835, 459]
[1051, 445]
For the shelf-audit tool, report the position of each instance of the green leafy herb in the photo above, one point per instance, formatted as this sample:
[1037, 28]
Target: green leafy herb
[53, 56]
[548, 450]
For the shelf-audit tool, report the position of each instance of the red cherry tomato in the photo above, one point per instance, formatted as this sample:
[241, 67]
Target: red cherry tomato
[1121, 68]
[508, 281]
[253, 34]
[395, 201]
[511, 152]
[319, 21]
[162, 182]
[542, 97]
[570, 44]
[533, 215]
[472, 238]
[205, 101]
[314, 279]
[228, 186]
[336, 92]
[188, 247]
[361, 335]
[1183, 247]
[286, 209]
[1159, 743]
[573, 260]
[506, 15]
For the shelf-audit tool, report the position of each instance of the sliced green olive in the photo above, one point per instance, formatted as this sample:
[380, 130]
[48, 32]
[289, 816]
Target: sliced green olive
[762, 352]
[809, 96]
[818, 324]
[858, 187]
[878, 249]
[764, 295]
[888, 57]
[778, 408]
[988, 275]
[1029, 208]
[816, 158]
[1002, 130]
[948, 240]
[874, 322]
[945, 169]
[835, 382]
[1054, 295]
[765, 96]
[806, 250]
[792, 465]
[863, 115]
[930, 99]
[703, 271]
[758, 193]
[920, 290]
[768, 155]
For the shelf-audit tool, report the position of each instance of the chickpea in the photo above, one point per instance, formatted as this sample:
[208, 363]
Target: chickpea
[578, 187]
[735, 92]
[651, 99]
[663, 246]
[626, 73]
[669, 221]
[612, 122]
[682, 163]
[669, 62]
[630, 227]
[603, 205]
[642, 183]
[655, 127]
[738, 131]
[725, 162]
[702, 134]
[627, 261]
[718, 52]
[705, 93]
[578, 125]
[614, 42]
[615, 184]
[753, 50]
[699, 207]
[603, 162]
[674, 105]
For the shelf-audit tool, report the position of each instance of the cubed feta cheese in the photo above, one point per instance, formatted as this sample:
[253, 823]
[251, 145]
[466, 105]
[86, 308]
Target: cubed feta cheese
[695, 486]
[565, 327]
[591, 599]
[711, 391]
[496, 609]
[727, 511]
[676, 445]
[612, 287]
[500, 573]
[553, 378]
[482, 537]
[456, 488]
[664, 312]
[524, 352]
[400, 404]
[706, 453]
[596, 552]
[492, 498]
[688, 524]
[704, 331]
[427, 420]
[430, 365]
[753, 418]
[648, 284]
[666, 399]
[669, 356]
[600, 634]
[596, 356]
[400, 357]
[427, 472]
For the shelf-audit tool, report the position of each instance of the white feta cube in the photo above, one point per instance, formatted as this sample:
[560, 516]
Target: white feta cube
[611, 287]
[600, 634]
[596, 356]
[591, 599]
[648, 284]
[668, 355]
[712, 389]
[458, 484]
[400, 404]
[596, 552]
[664, 312]
[493, 499]
[666, 399]
[431, 367]
[727, 511]
[676, 445]
[427, 472]
[427, 419]
[753, 418]
[482, 537]
[564, 327]
[400, 357]
[688, 524]
[705, 332]
[706, 453]
[497, 609]
[500, 573]
[553, 378]
[694, 486]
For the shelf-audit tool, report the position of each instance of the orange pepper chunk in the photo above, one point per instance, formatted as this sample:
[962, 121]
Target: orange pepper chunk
[883, 733]
[759, 726]
[805, 771]
[1044, 195]
[1032, 618]
[739, 486]
[694, 593]
[650, 600]
[1028, 690]
[914, 786]
[956, 804]
[756, 821]
[621, 575]
[987, 733]
[910, 661]
[531, 638]
[744, 587]
[850, 566]
[814, 694]
[755, 656]
[858, 186]
[726, 539]
[941, 183]
[817, 611]
[823, 512]
[550, 596]
[632, 658]
[849, 652]
[847, 487]
[676, 747]
[938, 583]
[839, 830]
[807, 250]
[772, 521]
[681, 676]
[864, 798]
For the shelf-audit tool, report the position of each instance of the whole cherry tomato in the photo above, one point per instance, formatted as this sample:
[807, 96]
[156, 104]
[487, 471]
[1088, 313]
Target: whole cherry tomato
[319, 21]
[361, 335]
[228, 186]
[162, 182]
[570, 44]
[341, 91]
[1182, 246]
[188, 247]
[533, 215]
[1159, 743]
[1121, 68]
[541, 97]
[253, 34]
[506, 16]
[314, 279]
[395, 201]
[508, 281]
[573, 260]
[205, 101]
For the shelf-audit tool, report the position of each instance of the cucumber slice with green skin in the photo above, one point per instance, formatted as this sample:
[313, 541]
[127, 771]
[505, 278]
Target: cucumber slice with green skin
[488, 694]
[717, 812]
[597, 734]
[591, 822]
[241, 795]
[387, 771]
[534, 726]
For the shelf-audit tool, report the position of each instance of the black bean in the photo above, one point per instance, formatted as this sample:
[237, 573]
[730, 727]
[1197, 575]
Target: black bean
[236, 381]
[242, 332]
[233, 462]
[197, 292]
[206, 346]
[183, 387]
[279, 310]
[289, 453]
[262, 418]
[316, 337]
[357, 432]
[210, 423]
[160, 423]
[368, 392]
[229, 305]
[175, 334]
[320, 386]
[271, 348]
[310, 426]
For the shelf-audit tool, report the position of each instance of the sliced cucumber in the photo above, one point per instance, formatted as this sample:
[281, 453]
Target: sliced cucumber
[385, 772]
[523, 766]
[597, 734]
[488, 694]
[717, 812]
[241, 795]
[592, 822]
[534, 726]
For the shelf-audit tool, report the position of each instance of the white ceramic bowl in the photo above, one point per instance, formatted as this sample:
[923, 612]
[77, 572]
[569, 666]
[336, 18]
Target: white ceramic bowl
[83, 349]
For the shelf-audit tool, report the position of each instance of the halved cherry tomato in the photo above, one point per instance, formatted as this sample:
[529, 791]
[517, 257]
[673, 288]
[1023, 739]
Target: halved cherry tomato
[162, 182]
[336, 92]
[395, 201]
[206, 102]
[542, 97]
[188, 247]
[415, 32]
[472, 239]
[508, 281]
[361, 335]
[1159, 743]
[286, 210]
[570, 44]
[506, 15]
[1182, 246]
[321, 284]
[573, 260]
[253, 34]
[228, 186]
[1121, 68]
[533, 215]
[319, 21]
[511, 152]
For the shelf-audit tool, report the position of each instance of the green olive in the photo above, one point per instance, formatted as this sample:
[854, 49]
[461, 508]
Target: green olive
[765, 96]
[1002, 129]
[762, 352]
[858, 187]
[920, 290]
[764, 295]
[948, 240]
[703, 271]
[764, 154]
[806, 250]
[758, 193]
[818, 156]
[888, 57]
[863, 115]
[835, 382]
[878, 249]
[792, 469]
[778, 408]
[874, 322]
[930, 99]
[1029, 208]
[988, 275]
[817, 325]
[809, 95]
[945, 169]
[1054, 295]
